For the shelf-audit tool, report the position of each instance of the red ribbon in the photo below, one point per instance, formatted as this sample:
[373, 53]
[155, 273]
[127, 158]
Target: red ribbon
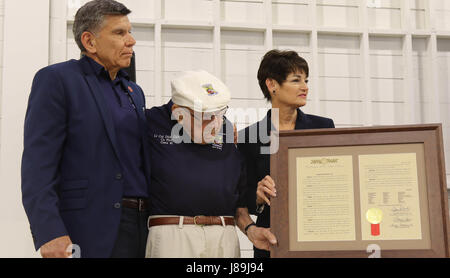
[375, 229]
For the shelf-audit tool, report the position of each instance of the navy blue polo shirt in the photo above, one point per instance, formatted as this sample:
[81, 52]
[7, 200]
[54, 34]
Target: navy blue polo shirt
[127, 127]
[192, 179]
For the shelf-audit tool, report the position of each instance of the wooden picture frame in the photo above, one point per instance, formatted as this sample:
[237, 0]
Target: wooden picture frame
[398, 170]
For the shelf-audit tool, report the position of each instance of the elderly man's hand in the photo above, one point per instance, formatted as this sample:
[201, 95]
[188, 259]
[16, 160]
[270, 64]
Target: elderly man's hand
[262, 238]
[266, 189]
[57, 248]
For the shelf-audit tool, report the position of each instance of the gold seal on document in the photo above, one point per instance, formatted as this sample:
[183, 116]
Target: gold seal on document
[374, 216]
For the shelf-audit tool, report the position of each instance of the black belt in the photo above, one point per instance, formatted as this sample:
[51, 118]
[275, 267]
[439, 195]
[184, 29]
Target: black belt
[140, 204]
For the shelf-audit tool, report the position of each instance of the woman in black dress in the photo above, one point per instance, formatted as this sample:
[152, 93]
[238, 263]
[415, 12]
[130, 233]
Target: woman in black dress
[283, 78]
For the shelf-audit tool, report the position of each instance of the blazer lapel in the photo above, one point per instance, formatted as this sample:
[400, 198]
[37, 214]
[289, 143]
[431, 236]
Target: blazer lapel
[104, 111]
[302, 120]
[265, 128]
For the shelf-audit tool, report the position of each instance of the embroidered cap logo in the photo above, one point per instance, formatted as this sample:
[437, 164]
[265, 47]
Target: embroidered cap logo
[210, 90]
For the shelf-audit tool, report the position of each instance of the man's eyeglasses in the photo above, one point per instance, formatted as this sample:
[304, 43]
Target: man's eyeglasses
[209, 115]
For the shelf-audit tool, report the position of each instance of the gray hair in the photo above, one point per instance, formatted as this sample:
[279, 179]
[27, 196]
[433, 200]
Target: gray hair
[91, 16]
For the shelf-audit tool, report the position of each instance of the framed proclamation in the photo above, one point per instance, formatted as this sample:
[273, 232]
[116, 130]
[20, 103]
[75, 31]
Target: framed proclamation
[351, 192]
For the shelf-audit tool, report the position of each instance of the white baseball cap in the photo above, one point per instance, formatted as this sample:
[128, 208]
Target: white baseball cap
[200, 91]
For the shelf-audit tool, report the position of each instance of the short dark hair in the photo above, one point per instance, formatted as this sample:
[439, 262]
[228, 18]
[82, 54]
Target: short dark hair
[277, 65]
[91, 16]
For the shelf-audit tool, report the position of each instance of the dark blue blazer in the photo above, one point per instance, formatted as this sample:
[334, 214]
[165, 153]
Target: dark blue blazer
[72, 180]
[258, 165]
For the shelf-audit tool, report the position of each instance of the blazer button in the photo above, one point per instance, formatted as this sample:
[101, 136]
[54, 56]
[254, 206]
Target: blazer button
[117, 205]
[119, 177]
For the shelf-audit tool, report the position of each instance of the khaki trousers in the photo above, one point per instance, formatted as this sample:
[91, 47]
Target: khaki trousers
[192, 241]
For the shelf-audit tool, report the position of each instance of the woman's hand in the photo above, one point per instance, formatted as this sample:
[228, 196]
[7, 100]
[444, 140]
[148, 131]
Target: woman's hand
[266, 190]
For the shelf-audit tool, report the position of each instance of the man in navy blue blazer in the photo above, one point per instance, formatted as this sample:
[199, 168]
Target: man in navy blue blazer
[85, 168]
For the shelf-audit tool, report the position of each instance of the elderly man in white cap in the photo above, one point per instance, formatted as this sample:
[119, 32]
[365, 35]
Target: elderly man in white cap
[197, 193]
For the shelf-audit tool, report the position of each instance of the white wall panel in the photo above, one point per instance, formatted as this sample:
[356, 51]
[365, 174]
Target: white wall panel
[338, 13]
[185, 49]
[386, 16]
[1, 64]
[291, 12]
[73, 6]
[196, 10]
[387, 82]
[443, 86]
[387, 66]
[344, 113]
[444, 69]
[443, 61]
[337, 88]
[145, 58]
[387, 90]
[446, 133]
[418, 14]
[242, 11]
[421, 69]
[299, 42]
[58, 31]
[427, 110]
[241, 56]
[442, 14]
[444, 74]
[72, 49]
[388, 113]
[445, 114]
[339, 63]
[141, 9]
[25, 51]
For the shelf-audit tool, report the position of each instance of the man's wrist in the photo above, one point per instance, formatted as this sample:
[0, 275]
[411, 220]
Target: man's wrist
[246, 229]
[251, 233]
[260, 208]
